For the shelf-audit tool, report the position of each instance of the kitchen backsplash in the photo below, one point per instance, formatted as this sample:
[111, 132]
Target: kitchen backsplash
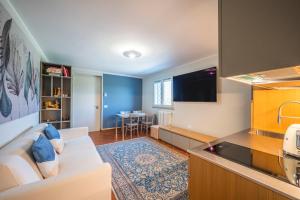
[267, 100]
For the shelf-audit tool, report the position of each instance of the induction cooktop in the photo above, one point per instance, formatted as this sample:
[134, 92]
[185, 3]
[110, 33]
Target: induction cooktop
[284, 168]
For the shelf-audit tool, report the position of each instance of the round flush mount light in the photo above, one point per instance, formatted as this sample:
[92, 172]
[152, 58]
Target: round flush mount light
[132, 54]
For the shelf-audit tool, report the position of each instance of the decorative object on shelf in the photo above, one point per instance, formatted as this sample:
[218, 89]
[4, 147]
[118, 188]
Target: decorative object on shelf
[19, 82]
[51, 105]
[54, 71]
[65, 95]
[55, 94]
[66, 119]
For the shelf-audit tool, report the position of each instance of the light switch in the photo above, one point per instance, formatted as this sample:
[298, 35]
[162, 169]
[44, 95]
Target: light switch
[105, 106]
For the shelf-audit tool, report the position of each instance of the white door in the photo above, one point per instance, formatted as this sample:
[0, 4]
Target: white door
[87, 101]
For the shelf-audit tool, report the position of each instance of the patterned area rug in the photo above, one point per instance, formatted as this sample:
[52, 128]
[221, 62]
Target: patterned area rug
[144, 169]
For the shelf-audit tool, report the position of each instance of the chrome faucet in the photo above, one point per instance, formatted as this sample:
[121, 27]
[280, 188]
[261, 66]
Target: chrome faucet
[279, 117]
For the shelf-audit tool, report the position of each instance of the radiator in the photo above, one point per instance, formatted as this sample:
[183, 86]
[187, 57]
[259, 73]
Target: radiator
[165, 118]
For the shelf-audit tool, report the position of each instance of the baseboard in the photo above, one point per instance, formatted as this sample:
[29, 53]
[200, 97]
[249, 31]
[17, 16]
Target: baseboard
[107, 129]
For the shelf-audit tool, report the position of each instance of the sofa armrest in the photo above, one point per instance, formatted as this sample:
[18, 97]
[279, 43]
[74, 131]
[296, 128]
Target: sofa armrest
[71, 133]
[90, 183]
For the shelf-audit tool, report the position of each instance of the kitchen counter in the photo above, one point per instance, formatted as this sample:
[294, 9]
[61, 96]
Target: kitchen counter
[256, 142]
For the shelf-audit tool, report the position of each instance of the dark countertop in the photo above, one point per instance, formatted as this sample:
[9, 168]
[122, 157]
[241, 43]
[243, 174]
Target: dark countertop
[257, 142]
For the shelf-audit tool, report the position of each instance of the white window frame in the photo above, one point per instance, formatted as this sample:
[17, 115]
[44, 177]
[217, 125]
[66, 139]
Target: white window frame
[162, 94]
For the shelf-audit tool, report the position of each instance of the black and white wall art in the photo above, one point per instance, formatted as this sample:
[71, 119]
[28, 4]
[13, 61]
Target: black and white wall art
[19, 71]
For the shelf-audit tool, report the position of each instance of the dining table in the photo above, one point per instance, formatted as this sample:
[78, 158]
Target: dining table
[124, 116]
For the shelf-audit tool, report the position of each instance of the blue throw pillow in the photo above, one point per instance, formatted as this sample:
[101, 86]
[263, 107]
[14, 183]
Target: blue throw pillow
[43, 150]
[51, 132]
[45, 157]
[54, 136]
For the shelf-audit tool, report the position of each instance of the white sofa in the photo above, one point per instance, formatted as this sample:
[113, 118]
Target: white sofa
[82, 173]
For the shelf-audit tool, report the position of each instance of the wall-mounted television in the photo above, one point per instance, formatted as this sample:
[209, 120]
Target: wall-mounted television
[199, 86]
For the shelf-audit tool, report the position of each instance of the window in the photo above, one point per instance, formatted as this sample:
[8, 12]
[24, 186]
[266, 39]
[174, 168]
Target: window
[167, 92]
[163, 92]
[157, 93]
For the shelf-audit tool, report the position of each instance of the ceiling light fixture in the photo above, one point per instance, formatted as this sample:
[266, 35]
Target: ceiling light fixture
[132, 54]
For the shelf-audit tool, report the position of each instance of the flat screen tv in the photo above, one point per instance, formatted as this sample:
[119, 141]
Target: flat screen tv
[199, 86]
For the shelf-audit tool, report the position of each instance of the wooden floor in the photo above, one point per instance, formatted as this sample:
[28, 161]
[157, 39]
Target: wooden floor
[109, 136]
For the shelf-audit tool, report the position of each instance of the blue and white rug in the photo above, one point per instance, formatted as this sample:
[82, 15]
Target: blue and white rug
[144, 169]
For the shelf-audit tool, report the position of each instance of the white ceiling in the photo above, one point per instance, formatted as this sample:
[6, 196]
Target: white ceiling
[92, 34]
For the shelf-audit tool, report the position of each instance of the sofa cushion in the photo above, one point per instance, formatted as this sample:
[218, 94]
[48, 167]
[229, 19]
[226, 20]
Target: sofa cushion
[21, 146]
[54, 136]
[80, 152]
[15, 171]
[45, 157]
[72, 133]
[51, 132]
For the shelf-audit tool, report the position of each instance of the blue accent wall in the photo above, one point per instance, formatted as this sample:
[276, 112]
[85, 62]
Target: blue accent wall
[120, 93]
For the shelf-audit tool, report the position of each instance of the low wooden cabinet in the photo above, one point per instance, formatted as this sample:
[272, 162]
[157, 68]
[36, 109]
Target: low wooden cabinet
[179, 141]
[211, 182]
[183, 138]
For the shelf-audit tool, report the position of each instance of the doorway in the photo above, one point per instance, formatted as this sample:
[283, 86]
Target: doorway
[87, 90]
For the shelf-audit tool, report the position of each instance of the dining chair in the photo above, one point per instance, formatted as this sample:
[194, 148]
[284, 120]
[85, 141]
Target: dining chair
[141, 120]
[147, 122]
[124, 112]
[117, 119]
[133, 124]
[137, 111]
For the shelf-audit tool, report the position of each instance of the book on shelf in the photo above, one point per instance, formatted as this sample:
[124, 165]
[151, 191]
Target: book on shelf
[65, 71]
[54, 71]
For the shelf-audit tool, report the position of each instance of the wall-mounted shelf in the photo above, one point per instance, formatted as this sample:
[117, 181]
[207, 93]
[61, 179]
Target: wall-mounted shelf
[67, 77]
[49, 109]
[58, 76]
[52, 122]
[50, 96]
[55, 95]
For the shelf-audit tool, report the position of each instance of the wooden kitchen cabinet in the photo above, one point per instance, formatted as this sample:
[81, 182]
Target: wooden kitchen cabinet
[210, 182]
[258, 35]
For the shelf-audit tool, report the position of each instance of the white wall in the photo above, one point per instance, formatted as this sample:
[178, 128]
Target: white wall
[229, 115]
[10, 130]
